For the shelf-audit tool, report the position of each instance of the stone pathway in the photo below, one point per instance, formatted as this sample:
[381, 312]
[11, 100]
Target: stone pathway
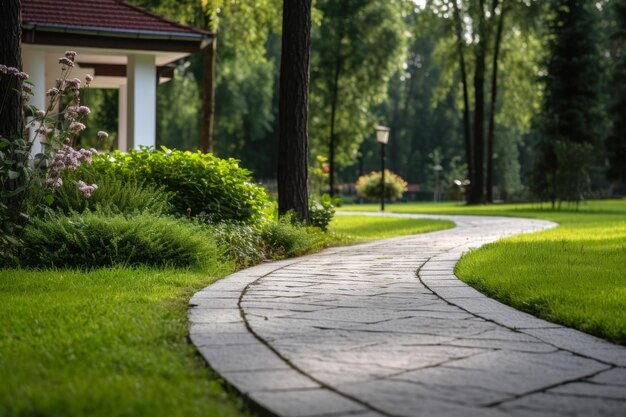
[355, 331]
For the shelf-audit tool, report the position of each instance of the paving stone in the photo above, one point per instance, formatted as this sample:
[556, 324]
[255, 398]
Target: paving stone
[306, 403]
[274, 380]
[615, 376]
[564, 405]
[585, 389]
[582, 343]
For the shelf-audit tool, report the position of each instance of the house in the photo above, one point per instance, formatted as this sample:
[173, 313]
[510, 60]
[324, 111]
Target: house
[122, 45]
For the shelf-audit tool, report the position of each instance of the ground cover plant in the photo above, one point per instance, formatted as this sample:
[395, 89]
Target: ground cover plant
[573, 275]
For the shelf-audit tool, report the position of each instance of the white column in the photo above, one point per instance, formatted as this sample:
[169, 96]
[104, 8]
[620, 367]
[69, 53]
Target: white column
[35, 66]
[122, 114]
[141, 121]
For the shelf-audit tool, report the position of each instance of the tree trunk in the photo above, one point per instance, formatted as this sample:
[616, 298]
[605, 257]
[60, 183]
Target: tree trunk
[467, 132]
[293, 108]
[494, 96]
[477, 190]
[11, 112]
[333, 116]
[209, 56]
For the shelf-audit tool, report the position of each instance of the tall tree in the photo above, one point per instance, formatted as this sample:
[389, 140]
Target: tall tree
[294, 108]
[616, 141]
[491, 129]
[572, 118]
[11, 119]
[358, 47]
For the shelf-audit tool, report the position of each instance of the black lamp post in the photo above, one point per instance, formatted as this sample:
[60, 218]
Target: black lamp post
[382, 137]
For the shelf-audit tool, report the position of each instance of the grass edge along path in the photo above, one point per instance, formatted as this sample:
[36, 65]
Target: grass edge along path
[571, 275]
[113, 341]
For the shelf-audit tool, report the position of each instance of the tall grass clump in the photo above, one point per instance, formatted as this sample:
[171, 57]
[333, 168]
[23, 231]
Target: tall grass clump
[90, 240]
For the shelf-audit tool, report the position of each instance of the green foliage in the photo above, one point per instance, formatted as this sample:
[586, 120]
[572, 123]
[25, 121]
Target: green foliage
[572, 117]
[370, 186]
[215, 188]
[357, 48]
[90, 240]
[616, 141]
[114, 194]
[322, 210]
[240, 242]
[288, 237]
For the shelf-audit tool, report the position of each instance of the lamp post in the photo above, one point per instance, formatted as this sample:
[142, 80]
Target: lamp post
[382, 137]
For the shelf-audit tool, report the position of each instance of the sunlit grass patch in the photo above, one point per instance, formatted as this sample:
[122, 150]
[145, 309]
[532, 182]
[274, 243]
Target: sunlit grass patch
[110, 342]
[362, 228]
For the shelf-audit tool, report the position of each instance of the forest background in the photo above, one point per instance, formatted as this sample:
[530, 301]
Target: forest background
[390, 62]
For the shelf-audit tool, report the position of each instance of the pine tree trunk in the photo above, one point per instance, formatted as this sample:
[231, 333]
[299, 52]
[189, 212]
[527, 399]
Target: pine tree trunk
[293, 108]
[494, 96]
[11, 115]
[477, 190]
[209, 56]
[467, 132]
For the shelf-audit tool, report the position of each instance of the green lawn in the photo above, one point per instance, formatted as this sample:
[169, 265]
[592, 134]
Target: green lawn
[574, 274]
[112, 342]
[353, 229]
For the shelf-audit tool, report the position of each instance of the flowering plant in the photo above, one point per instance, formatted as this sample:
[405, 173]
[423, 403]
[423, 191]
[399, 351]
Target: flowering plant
[27, 179]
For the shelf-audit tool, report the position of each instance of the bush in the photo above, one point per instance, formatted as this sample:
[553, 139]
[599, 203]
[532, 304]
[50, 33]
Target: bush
[369, 186]
[90, 240]
[287, 238]
[208, 185]
[114, 195]
[240, 242]
[322, 210]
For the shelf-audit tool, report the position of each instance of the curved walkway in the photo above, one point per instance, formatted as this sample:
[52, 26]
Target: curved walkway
[354, 331]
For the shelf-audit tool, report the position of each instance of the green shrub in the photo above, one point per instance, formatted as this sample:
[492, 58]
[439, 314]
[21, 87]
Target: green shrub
[113, 195]
[287, 238]
[322, 210]
[370, 187]
[90, 240]
[216, 188]
[240, 242]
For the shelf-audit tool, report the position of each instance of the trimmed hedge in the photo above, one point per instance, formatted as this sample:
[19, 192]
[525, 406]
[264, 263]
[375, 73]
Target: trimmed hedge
[213, 188]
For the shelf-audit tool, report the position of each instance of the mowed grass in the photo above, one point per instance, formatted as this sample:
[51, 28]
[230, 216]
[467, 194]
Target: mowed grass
[110, 342]
[113, 342]
[353, 229]
[574, 274]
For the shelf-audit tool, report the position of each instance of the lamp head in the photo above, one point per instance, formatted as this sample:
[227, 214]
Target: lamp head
[382, 134]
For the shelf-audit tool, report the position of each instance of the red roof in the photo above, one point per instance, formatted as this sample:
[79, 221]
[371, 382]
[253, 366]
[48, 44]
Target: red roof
[115, 16]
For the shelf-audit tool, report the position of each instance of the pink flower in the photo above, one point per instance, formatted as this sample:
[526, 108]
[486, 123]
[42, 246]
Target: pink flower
[88, 79]
[102, 134]
[12, 71]
[83, 110]
[71, 55]
[72, 83]
[86, 189]
[52, 92]
[22, 76]
[55, 182]
[3, 69]
[40, 114]
[65, 61]
[77, 126]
